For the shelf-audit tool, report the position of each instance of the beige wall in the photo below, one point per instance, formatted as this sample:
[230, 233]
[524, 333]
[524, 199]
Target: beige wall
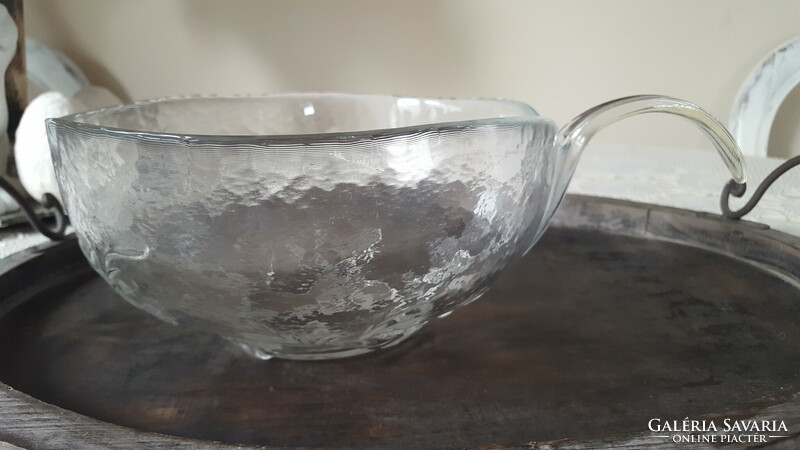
[561, 56]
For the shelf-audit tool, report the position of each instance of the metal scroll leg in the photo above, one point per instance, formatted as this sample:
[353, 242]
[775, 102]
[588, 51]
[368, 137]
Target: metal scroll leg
[737, 190]
[55, 233]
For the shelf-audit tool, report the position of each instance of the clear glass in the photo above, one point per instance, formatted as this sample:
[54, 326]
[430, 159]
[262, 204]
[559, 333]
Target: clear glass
[312, 226]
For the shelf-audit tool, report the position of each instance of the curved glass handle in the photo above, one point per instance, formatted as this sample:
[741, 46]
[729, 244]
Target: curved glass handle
[574, 136]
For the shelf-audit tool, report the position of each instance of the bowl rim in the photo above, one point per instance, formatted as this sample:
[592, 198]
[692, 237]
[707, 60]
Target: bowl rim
[73, 121]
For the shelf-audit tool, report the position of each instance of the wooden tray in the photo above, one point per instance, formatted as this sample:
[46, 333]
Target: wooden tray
[621, 314]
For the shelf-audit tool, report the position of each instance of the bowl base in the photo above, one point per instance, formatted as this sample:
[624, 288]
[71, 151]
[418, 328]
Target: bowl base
[319, 354]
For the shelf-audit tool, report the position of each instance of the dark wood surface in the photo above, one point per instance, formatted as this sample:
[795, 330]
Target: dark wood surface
[580, 344]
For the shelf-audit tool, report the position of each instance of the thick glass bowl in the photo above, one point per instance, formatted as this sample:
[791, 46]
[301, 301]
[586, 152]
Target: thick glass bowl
[311, 226]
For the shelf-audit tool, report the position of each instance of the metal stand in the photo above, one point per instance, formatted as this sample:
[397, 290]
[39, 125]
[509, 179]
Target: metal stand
[48, 201]
[738, 190]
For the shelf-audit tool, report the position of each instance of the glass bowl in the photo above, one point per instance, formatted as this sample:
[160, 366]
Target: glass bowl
[315, 226]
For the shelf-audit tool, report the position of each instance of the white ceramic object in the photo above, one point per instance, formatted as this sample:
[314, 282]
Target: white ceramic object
[50, 70]
[32, 152]
[761, 95]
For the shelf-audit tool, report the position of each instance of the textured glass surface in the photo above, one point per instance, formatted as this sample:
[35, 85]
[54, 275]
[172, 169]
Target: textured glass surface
[305, 245]
[321, 225]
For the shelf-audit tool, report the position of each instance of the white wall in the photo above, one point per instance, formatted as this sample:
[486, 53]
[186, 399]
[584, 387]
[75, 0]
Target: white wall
[561, 56]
